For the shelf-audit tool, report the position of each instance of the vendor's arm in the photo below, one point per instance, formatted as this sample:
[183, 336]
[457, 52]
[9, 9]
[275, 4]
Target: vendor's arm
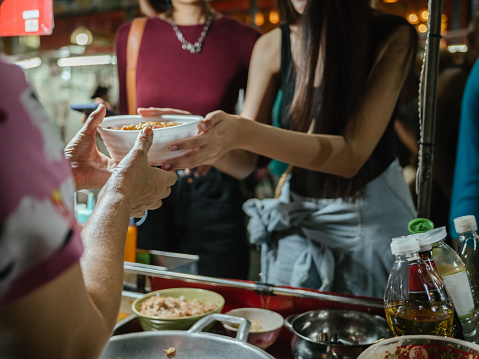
[340, 155]
[51, 304]
[73, 315]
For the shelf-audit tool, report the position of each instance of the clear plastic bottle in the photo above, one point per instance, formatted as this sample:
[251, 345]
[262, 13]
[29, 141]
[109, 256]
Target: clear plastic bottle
[83, 211]
[415, 300]
[468, 250]
[452, 270]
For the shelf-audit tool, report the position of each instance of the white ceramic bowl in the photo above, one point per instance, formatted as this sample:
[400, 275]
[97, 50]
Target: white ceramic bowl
[421, 346]
[269, 322]
[119, 143]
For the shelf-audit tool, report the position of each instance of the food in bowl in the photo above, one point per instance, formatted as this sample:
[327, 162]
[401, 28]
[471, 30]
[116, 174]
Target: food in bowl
[120, 142]
[151, 124]
[170, 352]
[150, 322]
[171, 307]
[254, 328]
[421, 346]
[265, 325]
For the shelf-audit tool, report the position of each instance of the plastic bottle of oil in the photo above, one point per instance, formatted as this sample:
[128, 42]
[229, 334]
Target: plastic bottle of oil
[453, 273]
[415, 300]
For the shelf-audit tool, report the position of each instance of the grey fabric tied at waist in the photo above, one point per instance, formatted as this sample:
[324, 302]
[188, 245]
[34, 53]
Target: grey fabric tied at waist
[275, 218]
[332, 244]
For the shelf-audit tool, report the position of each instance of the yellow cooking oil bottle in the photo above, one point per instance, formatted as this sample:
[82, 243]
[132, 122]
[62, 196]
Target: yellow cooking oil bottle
[415, 299]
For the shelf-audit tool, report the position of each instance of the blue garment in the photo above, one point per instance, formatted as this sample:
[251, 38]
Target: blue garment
[332, 244]
[465, 190]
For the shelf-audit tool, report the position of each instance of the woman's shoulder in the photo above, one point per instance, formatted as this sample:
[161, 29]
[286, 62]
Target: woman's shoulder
[393, 29]
[271, 41]
[267, 49]
[385, 23]
[153, 24]
[123, 30]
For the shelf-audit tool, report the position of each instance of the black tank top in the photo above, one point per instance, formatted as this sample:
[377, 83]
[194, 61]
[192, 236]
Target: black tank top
[303, 181]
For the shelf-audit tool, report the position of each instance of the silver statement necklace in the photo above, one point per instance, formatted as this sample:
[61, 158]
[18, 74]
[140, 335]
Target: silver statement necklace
[188, 46]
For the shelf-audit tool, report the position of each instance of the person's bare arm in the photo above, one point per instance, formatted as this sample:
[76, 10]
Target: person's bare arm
[263, 83]
[340, 155]
[263, 78]
[73, 316]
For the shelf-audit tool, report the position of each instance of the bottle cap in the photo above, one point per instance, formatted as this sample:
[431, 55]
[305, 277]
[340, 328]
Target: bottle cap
[404, 245]
[420, 225]
[432, 236]
[425, 241]
[465, 224]
[83, 213]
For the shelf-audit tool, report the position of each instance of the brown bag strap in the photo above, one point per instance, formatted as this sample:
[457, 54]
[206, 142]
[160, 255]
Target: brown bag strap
[132, 49]
[282, 179]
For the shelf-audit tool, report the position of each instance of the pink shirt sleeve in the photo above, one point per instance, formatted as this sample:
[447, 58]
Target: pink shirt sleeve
[39, 236]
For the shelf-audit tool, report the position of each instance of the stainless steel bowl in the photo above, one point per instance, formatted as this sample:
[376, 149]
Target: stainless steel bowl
[191, 344]
[334, 333]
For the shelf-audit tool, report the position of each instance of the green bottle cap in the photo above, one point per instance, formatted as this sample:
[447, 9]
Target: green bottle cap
[420, 225]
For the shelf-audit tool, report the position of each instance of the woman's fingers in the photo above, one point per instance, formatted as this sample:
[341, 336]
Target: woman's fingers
[191, 159]
[189, 143]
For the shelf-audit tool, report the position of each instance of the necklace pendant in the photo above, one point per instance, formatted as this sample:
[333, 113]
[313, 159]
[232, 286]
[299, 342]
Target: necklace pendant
[188, 46]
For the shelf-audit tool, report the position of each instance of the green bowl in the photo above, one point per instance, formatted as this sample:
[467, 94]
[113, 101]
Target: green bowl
[183, 323]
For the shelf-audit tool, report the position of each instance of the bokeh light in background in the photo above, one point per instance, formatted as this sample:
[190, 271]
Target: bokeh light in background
[412, 18]
[81, 36]
[424, 15]
[422, 28]
[273, 17]
[259, 19]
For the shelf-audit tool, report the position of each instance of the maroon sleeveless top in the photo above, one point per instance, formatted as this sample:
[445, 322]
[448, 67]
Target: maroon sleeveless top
[168, 76]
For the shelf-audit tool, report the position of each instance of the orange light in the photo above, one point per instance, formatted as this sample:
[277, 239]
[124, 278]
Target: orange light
[444, 17]
[259, 19]
[273, 17]
[422, 28]
[390, 1]
[412, 18]
[424, 14]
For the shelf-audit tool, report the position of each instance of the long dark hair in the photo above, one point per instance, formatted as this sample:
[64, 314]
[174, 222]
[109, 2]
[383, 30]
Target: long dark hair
[341, 30]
